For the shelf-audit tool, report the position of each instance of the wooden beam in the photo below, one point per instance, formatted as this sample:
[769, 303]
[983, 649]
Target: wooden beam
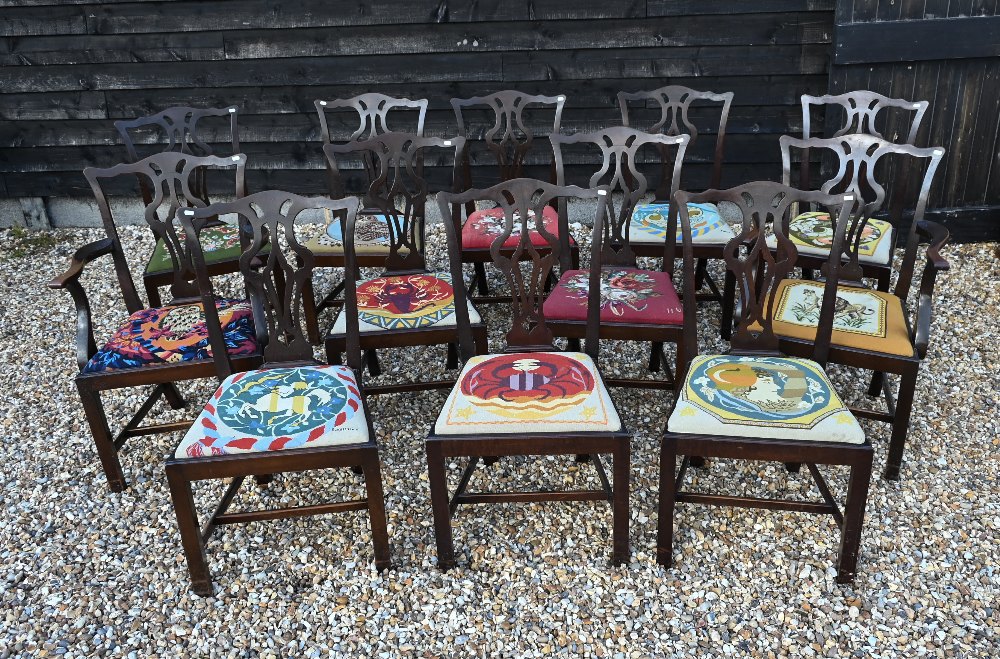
[913, 41]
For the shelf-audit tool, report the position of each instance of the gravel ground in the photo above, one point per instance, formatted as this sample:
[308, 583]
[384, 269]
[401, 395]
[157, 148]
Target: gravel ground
[85, 572]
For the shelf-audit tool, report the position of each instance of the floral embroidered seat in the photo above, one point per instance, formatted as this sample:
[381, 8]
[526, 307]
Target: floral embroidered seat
[628, 295]
[484, 226]
[528, 392]
[766, 397]
[220, 243]
[276, 409]
[371, 236]
[411, 301]
[863, 318]
[812, 233]
[162, 335]
[649, 224]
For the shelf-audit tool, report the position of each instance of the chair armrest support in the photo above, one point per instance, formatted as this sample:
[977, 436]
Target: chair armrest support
[86, 347]
[936, 236]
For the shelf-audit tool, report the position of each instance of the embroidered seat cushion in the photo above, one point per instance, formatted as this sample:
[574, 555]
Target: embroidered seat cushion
[279, 408]
[766, 397]
[413, 301]
[371, 236]
[628, 295]
[485, 226]
[220, 243]
[162, 335]
[649, 224]
[863, 318]
[812, 233]
[536, 392]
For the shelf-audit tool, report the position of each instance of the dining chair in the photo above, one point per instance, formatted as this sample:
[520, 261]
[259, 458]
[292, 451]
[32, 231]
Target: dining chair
[408, 304]
[160, 344]
[529, 399]
[292, 413]
[349, 120]
[636, 304]
[672, 115]
[196, 132]
[511, 146]
[873, 329]
[755, 403]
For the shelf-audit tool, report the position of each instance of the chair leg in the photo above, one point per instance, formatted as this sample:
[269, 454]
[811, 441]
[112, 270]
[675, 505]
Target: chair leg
[875, 386]
[374, 368]
[187, 524]
[173, 395]
[854, 513]
[668, 490]
[807, 273]
[481, 339]
[264, 479]
[900, 425]
[452, 361]
[622, 474]
[376, 512]
[696, 461]
[94, 410]
[654, 356]
[728, 305]
[793, 467]
[573, 345]
[439, 504]
[481, 284]
[700, 272]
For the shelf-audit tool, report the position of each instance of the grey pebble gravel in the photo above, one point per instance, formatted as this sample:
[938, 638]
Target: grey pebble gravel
[84, 572]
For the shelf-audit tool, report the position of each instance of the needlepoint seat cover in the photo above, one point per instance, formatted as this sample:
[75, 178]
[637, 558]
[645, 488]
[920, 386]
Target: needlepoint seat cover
[219, 243]
[528, 392]
[863, 318]
[767, 397]
[628, 295]
[484, 226]
[276, 409]
[649, 224]
[411, 301]
[812, 233]
[371, 236]
[172, 334]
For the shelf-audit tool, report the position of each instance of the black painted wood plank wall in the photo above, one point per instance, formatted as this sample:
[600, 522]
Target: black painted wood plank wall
[961, 83]
[70, 67]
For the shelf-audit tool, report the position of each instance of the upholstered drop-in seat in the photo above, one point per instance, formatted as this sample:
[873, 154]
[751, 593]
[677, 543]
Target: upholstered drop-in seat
[863, 318]
[812, 234]
[528, 392]
[219, 243]
[649, 224]
[766, 397]
[413, 301]
[484, 226]
[628, 295]
[178, 333]
[279, 408]
[371, 236]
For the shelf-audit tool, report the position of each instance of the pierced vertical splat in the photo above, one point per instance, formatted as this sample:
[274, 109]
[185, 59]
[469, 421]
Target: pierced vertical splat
[167, 178]
[509, 139]
[675, 103]
[398, 189]
[620, 174]
[276, 267]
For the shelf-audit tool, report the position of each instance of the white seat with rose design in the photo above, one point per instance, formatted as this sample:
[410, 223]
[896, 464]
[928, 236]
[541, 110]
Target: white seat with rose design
[278, 409]
[812, 234]
[411, 301]
[767, 397]
[649, 224]
[529, 392]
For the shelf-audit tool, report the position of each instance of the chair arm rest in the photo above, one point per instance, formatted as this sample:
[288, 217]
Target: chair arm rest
[70, 280]
[81, 258]
[936, 236]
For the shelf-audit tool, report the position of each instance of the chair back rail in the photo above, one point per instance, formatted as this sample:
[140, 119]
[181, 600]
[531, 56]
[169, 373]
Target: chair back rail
[180, 127]
[857, 158]
[276, 267]
[527, 267]
[675, 103]
[620, 174]
[167, 177]
[758, 271]
[398, 190]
